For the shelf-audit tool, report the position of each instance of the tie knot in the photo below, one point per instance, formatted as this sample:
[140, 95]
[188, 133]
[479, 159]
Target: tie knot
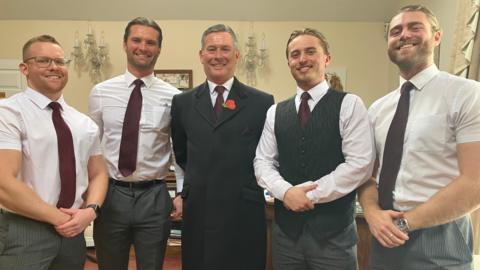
[55, 106]
[138, 83]
[219, 89]
[305, 96]
[406, 87]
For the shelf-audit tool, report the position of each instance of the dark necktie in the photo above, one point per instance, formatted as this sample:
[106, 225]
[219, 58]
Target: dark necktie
[303, 109]
[393, 150]
[66, 158]
[127, 160]
[217, 108]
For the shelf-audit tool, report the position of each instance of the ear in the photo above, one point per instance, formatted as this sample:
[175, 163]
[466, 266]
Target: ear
[200, 55]
[328, 59]
[437, 37]
[288, 62]
[237, 54]
[23, 68]
[124, 46]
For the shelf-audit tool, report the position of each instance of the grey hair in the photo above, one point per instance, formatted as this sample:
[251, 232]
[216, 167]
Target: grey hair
[220, 28]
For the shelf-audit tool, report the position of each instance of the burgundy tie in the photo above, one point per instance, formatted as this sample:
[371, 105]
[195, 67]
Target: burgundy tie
[66, 158]
[393, 150]
[217, 108]
[127, 160]
[304, 110]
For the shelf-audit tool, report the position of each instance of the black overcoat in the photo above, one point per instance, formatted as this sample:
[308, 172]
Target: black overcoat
[224, 223]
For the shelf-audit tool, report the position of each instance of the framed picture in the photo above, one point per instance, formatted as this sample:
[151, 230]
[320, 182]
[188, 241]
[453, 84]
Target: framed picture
[180, 78]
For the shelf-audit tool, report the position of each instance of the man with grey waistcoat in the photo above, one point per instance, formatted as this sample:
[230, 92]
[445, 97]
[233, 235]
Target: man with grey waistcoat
[315, 150]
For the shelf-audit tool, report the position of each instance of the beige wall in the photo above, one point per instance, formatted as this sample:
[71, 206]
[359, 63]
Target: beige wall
[358, 47]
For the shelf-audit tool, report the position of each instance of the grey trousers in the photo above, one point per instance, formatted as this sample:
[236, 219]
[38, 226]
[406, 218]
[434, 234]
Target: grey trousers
[307, 253]
[27, 244]
[133, 216]
[447, 246]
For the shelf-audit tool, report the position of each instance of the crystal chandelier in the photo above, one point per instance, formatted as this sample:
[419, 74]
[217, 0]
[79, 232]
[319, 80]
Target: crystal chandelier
[253, 60]
[90, 56]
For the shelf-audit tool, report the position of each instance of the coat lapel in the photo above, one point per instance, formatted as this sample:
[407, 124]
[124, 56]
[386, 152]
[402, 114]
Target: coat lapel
[239, 97]
[203, 104]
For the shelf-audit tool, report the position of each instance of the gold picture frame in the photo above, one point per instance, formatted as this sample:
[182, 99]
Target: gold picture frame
[179, 78]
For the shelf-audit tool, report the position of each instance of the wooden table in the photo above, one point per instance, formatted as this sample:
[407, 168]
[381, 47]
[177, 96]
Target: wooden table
[363, 246]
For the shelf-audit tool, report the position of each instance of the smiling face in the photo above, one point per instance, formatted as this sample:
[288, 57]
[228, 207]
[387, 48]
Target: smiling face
[142, 50]
[50, 80]
[307, 61]
[219, 57]
[411, 42]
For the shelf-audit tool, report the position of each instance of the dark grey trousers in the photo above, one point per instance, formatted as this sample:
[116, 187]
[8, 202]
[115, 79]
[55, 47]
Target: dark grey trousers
[447, 246]
[27, 244]
[338, 252]
[133, 216]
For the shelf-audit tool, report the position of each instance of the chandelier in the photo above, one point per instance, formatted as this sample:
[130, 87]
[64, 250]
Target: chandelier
[88, 56]
[253, 60]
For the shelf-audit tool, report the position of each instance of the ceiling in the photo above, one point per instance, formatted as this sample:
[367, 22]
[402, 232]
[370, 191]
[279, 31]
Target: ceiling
[243, 10]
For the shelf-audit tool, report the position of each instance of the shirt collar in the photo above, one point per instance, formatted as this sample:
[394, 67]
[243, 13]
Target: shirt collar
[147, 80]
[317, 92]
[423, 77]
[228, 85]
[41, 100]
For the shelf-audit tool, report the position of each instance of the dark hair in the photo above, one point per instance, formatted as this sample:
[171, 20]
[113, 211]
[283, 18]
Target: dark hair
[42, 38]
[219, 28]
[310, 32]
[145, 22]
[432, 19]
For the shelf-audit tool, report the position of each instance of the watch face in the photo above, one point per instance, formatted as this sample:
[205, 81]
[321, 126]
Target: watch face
[401, 224]
[95, 207]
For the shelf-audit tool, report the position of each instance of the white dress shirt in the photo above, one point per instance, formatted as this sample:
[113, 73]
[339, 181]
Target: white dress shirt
[108, 104]
[26, 125]
[213, 94]
[444, 112]
[357, 148]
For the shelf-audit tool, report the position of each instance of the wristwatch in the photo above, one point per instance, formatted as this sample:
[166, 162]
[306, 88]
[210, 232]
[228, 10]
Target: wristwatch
[402, 224]
[95, 207]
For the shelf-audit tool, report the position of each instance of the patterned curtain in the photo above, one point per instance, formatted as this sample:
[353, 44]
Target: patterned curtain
[465, 62]
[464, 41]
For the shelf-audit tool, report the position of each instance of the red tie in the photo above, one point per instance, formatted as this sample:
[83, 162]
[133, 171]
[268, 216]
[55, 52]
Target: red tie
[127, 160]
[217, 109]
[393, 150]
[66, 158]
[304, 110]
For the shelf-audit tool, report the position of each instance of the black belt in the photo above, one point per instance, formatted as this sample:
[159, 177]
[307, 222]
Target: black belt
[137, 184]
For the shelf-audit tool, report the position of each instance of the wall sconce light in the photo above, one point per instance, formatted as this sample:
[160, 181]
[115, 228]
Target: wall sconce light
[253, 59]
[90, 56]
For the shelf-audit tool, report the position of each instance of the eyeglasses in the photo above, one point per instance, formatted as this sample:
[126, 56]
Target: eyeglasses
[44, 62]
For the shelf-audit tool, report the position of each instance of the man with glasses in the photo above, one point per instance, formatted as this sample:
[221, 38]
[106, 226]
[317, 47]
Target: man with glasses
[133, 113]
[52, 174]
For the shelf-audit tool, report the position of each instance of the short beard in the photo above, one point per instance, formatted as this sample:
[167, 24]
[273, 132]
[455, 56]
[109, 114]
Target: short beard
[420, 59]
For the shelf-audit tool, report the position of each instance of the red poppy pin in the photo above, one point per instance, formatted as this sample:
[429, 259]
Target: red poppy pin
[230, 104]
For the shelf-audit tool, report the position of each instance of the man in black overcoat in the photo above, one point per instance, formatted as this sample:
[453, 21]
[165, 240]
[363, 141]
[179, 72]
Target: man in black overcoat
[215, 130]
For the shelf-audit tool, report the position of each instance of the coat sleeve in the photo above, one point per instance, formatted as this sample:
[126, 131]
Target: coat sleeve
[179, 137]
